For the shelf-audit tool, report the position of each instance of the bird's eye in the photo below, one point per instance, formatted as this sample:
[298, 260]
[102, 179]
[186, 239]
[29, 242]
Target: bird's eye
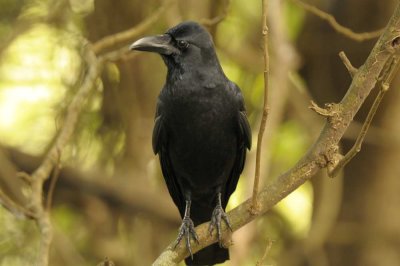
[183, 44]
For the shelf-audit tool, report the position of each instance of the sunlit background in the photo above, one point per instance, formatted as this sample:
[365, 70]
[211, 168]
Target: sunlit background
[111, 200]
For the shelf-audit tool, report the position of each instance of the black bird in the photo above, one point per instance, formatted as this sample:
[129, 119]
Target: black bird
[201, 132]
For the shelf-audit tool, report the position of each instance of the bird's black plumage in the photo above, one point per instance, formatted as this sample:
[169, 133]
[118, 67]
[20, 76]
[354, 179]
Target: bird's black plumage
[201, 132]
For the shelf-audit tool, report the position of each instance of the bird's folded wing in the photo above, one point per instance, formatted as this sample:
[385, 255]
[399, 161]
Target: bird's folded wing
[160, 147]
[244, 141]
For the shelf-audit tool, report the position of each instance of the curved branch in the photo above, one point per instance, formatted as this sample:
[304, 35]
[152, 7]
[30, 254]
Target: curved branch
[209, 22]
[111, 41]
[320, 154]
[360, 37]
[41, 174]
[79, 183]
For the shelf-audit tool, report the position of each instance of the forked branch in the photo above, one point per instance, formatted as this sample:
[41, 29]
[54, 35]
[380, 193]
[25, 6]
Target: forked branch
[387, 77]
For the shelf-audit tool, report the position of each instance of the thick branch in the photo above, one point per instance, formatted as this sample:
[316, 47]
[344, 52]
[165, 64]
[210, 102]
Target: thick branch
[319, 154]
[384, 87]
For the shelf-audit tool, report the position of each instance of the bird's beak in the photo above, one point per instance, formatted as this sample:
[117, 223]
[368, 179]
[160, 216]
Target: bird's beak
[161, 44]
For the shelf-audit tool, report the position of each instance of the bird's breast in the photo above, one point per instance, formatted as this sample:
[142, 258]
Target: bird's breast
[202, 136]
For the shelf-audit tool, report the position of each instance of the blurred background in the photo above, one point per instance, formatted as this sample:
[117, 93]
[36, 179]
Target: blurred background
[111, 200]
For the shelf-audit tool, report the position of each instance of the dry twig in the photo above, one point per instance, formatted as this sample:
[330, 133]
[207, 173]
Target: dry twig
[53, 182]
[267, 249]
[388, 76]
[363, 36]
[255, 207]
[352, 70]
[112, 41]
[208, 22]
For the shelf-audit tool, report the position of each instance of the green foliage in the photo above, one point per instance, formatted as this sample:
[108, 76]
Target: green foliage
[297, 210]
[31, 80]
[290, 143]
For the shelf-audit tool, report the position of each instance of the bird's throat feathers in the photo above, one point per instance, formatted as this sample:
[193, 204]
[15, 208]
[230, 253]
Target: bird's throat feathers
[207, 70]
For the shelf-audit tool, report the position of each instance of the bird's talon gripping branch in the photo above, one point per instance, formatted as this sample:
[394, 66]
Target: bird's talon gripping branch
[217, 216]
[187, 230]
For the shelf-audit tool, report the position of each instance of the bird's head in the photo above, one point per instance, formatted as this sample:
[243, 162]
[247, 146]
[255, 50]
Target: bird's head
[185, 44]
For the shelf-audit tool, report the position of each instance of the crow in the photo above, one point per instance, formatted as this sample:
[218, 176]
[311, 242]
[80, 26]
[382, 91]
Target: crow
[201, 133]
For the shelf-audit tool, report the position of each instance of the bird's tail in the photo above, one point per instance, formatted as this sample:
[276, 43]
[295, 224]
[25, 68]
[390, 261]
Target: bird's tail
[209, 256]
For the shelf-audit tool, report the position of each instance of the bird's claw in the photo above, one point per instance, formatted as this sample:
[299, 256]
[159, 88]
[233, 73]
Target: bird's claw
[218, 215]
[187, 230]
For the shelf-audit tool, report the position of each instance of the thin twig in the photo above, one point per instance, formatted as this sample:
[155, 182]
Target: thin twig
[53, 182]
[352, 70]
[208, 22]
[285, 55]
[119, 54]
[327, 112]
[111, 41]
[387, 79]
[255, 207]
[11, 186]
[317, 156]
[15, 209]
[267, 249]
[363, 36]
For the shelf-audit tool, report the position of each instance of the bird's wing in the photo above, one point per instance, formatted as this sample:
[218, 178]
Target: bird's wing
[160, 147]
[244, 141]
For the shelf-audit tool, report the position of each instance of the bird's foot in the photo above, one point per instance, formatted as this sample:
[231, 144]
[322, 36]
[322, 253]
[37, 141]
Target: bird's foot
[187, 230]
[217, 216]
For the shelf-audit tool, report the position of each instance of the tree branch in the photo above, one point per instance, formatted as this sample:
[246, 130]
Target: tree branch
[41, 174]
[208, 22]
[363, 36]
[11, 187]
[127, 199]
[111, 41]
[319, 155]
[352, 70]
[267, 249]
[393, 67]
[264, 117]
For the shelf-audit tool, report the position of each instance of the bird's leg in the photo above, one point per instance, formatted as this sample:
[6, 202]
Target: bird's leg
[216, 217]
[187, 229]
